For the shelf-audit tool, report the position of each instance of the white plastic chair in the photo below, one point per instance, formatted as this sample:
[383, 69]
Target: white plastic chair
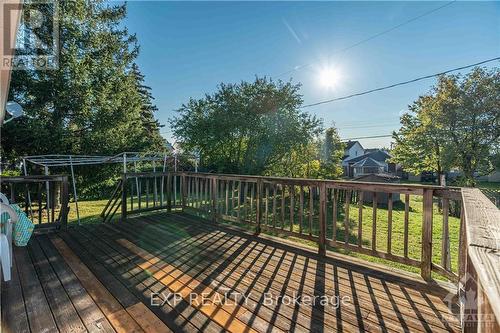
[6, 239]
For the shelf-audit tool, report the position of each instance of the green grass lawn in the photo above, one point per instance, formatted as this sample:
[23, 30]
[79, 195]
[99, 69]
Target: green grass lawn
[495, 186]
[89, 211]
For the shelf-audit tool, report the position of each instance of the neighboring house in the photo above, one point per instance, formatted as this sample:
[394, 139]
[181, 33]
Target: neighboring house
[353, 149]
[382, 197]
[359, 161]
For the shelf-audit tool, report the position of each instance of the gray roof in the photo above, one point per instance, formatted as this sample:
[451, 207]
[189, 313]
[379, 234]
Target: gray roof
[378, 155]
[368, 162]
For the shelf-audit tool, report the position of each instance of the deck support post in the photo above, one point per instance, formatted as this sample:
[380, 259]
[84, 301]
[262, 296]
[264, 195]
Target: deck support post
[124, 197]
[426, 265]
[322, 219]
[258, 199]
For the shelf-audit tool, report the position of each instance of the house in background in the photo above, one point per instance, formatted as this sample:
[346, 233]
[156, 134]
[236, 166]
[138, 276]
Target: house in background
[382, 197]
[358, 161]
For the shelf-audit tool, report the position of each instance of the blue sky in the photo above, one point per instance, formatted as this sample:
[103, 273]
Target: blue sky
[187, 48]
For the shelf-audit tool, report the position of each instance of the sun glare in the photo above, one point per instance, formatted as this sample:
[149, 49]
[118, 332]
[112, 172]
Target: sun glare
[329, 78]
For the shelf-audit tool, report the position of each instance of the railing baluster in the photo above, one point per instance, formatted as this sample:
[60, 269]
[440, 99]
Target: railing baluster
[40, 203]
[138, 185]
[245, 205]
[334, 215]
[389, 222]
[374, 222]
[155, 192]
[175, 189]
[322, 219]
[169, 192]
[147, 193]
[346, 219]
[283, 193]
[258, 196]
[445, 239]
[267, 205]
[124, 198]
[239, 201]
[292, 204]
[214, 199]
[227, 196]
[132, 196]
[252, 189]
[406, 222]
[274, 205]
[360, 219]
[301, 208]
[233, 199]
[311, 209]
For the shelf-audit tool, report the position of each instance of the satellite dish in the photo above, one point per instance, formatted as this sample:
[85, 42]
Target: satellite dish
[14, 110]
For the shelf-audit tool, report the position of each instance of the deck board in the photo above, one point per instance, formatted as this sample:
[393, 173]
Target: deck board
[99, 277]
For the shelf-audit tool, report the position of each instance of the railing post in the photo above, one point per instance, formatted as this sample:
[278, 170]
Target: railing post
[213, 182]
[426, 264]
[258, 199]
[322, 219]
[169, 192]
[64, 203]
[124, 197]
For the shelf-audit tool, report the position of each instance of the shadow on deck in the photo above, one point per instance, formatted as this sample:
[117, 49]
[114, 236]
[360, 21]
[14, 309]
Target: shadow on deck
[174, 272]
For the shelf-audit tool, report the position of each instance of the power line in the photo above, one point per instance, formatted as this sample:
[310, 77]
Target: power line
[296, 68]
[369, 137]
[399, 84]
[367, 126]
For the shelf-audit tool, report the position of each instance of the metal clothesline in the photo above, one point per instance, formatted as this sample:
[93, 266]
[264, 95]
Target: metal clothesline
[58, 160]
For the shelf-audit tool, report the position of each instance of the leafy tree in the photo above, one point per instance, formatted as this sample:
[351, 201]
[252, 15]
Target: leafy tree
[246, 127]
[331, 154]
[456, 125]
[95, 102]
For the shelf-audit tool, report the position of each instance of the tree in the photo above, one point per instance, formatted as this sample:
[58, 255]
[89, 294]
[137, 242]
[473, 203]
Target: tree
[456, 125]
[331, 154]
[95, 102]
[246, 127]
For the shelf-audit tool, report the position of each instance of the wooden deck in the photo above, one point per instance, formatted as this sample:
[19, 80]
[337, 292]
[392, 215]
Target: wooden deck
[101, 278]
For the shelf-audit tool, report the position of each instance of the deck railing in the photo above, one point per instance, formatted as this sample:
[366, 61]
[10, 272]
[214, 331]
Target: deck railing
[414, 225]
[355, 216]
[44, 199]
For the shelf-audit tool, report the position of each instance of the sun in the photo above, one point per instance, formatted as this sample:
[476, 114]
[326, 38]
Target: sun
[329, 77]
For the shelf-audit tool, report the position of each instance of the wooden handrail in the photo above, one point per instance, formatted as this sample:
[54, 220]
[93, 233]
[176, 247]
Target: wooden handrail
[480, 263]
